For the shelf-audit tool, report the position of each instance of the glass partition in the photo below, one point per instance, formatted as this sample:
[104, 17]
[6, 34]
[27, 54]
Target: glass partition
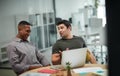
[43, 32]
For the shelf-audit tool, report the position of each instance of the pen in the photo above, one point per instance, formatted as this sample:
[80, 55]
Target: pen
[100, 71]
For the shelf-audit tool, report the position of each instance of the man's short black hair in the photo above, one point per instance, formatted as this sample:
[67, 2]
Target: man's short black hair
[23, 23]
[65, 22]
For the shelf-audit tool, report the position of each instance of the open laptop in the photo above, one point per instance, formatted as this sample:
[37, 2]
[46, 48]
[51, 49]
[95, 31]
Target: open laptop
[76, 57]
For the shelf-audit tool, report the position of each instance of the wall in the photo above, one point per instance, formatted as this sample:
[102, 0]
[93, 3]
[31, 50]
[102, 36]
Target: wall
[11, 8]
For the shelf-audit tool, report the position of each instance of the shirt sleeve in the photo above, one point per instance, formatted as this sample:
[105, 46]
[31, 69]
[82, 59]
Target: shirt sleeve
[84, 43]
[55, 48]
[13, 57]
[42, 58]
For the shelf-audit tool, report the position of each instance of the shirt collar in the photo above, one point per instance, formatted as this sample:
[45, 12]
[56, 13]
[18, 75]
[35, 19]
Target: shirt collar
[20, 40]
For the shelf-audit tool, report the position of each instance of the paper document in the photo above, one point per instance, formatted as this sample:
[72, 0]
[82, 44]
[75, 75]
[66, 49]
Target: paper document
[34, 74]
[97, 70]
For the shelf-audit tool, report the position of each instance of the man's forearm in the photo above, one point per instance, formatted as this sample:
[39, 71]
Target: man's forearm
[56, 62]
[33, 67]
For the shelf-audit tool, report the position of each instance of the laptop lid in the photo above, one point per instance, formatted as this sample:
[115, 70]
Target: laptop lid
[76, 57]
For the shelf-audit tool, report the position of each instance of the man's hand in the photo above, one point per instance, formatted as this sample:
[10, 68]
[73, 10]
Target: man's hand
[56, 58]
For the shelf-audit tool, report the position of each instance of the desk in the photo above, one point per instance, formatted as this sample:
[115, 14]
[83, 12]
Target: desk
[103, 66]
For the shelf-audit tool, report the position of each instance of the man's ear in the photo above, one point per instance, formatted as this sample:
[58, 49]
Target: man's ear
[70, 27]
[19, 30]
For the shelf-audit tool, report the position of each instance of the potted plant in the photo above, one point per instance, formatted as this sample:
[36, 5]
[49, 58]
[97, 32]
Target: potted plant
[68, 68]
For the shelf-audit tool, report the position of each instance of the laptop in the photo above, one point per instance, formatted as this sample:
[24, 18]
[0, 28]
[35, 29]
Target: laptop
[76, 57]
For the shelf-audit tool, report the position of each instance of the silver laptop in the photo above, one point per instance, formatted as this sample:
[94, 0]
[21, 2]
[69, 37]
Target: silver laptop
[76, 57]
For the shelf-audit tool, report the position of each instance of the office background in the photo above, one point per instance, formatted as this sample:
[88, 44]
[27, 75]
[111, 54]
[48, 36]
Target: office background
[43, 14]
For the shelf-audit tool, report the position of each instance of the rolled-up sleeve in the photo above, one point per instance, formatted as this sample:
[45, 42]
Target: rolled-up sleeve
[14, 60]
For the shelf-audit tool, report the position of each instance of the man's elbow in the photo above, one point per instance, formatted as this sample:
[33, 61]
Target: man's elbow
[93, 61]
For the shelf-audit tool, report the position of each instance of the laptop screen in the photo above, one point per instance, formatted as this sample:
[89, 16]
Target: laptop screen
[76, 57]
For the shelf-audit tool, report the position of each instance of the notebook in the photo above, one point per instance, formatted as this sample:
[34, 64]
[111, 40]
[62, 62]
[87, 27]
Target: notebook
[76, 57]
[94, 70]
